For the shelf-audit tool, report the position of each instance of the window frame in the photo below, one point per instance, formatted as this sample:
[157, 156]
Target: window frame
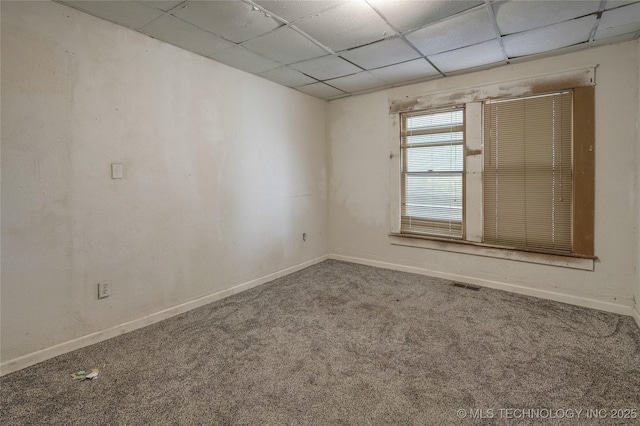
[523, 245]
[582, 82]
[404, 173]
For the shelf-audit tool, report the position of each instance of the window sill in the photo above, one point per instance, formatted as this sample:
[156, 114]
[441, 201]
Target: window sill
[477, 249]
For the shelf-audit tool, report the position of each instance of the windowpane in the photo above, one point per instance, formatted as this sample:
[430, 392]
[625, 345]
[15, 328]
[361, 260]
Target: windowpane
[434, 159]
[437, 119]
[434, 138]
[434, 197]
[528, 172]
[432, 172]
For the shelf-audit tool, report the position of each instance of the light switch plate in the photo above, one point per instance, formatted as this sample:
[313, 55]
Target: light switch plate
[117, 172]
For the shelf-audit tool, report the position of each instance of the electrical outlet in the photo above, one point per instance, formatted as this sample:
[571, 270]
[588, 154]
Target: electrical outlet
[103, 290]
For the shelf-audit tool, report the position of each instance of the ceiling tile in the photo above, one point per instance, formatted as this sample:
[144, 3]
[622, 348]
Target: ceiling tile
[244, 59]
[357, 82]
[477, 55]
[365, 40]
[549, 38]
[342, 95]
[453, 33]
[611, 4]
[619, 21]
[381, 53]
[319, 90]
[294, 10]
[351, 24]
[406, 71]
[406, 15]
[330, 66]
[129, 14]
[185, 35]
[163, 5]
[517, 16]
[606, 33]
[285, 45]
[287, 76]
[233, 20]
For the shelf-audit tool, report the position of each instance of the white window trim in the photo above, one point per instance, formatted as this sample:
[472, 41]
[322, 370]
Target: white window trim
[472, 206]
[472, 99]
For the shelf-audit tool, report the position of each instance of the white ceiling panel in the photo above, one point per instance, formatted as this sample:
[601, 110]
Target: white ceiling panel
[453, 33]
[163, 5]
[351, 24]
[327, 67]
[631, 30]
[185, 35]
[517, 16]
[285, 45]
[619, 21]
[549, 38]
[233, 20]
[129, 14]
[381, 53]
[617, 3]
[294, 10]
[287, 76]
[357, 82]
[406, 71]
[320, 90]
[244, 59]
[406, 15]
[474, 56]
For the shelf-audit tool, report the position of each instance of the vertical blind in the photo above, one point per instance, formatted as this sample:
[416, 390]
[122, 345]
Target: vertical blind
[432, 172]
[527, 179]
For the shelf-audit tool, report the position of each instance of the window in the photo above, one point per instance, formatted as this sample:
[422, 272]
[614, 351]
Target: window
[515, 172]
[527, 181]
[432, 145]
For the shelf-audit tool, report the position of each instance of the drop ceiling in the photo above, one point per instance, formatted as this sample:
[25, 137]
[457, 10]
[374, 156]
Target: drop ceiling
[336, 48]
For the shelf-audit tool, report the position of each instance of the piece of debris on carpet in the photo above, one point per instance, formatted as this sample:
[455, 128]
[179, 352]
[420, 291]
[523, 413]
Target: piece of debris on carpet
[85, 374]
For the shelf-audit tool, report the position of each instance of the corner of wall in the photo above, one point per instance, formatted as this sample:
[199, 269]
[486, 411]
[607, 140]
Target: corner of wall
[358, 193]
[329, 169]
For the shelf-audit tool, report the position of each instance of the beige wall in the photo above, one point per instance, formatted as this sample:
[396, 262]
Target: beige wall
[358, 136]
[224, 171]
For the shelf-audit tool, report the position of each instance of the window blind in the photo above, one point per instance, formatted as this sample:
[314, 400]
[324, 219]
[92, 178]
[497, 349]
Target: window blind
[432, 172]
[527, 181]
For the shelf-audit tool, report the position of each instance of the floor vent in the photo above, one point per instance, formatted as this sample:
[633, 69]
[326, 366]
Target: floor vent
[466, 286]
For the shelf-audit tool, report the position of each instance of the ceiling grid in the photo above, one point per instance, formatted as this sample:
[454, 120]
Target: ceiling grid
[337, 48]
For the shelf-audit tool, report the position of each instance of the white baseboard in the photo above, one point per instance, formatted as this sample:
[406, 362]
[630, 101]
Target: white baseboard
[24, 361]
[90, 339]
[528, 291]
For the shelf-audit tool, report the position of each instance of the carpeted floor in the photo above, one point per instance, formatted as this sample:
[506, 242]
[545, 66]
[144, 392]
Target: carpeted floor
[339, 343]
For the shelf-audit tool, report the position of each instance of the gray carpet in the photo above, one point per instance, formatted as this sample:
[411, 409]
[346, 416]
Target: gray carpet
[339, 343]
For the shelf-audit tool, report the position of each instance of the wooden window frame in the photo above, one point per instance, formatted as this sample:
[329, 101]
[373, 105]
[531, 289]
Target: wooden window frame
[584, 169]
[582, 82]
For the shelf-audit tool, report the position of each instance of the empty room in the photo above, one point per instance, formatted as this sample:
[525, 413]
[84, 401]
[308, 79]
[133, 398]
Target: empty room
[320, 212]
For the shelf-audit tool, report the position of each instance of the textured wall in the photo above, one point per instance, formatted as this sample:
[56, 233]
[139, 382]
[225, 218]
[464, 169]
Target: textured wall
[223, 172]
[359, 190]
[637, 192]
